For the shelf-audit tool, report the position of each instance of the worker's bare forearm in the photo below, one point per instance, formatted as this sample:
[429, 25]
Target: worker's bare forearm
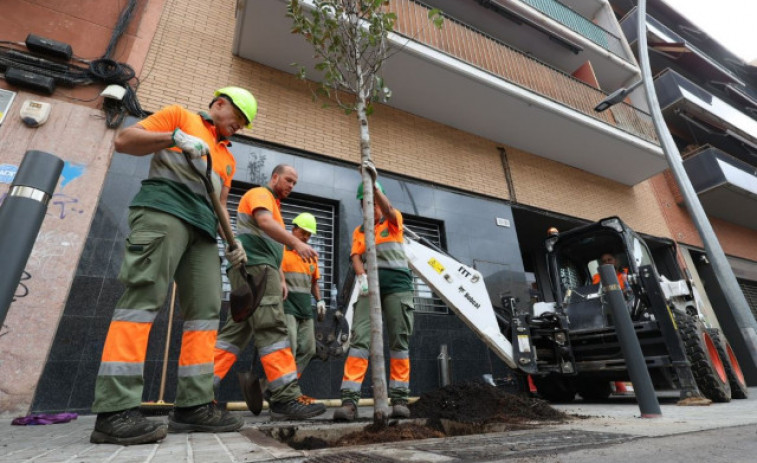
[316, 291]
[385, 205]
[139, 142]
[357, 264]
[274, 229]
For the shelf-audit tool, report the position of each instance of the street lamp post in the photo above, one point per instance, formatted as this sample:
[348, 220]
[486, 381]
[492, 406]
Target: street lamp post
[723, 272]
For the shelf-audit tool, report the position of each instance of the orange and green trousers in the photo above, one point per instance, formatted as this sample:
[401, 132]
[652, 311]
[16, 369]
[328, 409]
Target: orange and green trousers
[160, 249]
[269, 329]
[398, 309]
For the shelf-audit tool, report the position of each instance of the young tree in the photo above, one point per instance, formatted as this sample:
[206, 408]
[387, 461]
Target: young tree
[349, 38]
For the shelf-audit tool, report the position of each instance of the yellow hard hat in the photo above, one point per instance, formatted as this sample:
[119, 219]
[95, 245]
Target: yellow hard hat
[242, 100]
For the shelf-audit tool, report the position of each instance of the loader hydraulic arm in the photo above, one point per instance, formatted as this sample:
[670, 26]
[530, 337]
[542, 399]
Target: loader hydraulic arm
[462, 288]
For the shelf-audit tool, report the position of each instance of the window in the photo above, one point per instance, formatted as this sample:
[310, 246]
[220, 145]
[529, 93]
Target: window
[323, 242]
[425, 300]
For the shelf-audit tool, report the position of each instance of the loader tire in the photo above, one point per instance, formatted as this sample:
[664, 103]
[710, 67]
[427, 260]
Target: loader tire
[709, 371]
[555, 388]
[732, 368]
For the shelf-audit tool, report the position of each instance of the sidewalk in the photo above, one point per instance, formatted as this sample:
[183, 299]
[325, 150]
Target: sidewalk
[598, 424]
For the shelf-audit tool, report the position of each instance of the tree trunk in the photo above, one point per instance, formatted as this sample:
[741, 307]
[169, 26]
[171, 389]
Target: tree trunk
[378, 371]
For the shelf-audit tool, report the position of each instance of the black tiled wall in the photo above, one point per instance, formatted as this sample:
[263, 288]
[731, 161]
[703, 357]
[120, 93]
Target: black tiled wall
[472, 236]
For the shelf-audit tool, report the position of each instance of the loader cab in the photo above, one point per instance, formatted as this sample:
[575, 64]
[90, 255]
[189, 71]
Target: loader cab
[574, 260]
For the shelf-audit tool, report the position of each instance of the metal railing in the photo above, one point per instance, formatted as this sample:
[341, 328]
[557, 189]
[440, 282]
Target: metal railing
[478, 49]
[579, 24]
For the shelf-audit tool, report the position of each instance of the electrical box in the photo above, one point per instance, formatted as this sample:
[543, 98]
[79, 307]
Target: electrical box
[34, 113]
[6, 100]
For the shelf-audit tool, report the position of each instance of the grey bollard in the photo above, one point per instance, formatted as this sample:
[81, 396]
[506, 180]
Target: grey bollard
[21, 216]
[629, 344]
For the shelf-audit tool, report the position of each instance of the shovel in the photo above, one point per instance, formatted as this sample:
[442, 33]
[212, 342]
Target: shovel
[251, 391]
[245, 299]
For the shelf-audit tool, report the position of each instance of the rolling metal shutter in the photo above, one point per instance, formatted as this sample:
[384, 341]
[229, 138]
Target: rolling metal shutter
[425, 299]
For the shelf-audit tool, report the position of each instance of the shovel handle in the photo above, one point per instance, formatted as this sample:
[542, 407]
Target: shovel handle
[228, 234]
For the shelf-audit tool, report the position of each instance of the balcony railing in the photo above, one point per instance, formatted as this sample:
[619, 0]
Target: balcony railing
[579, 24]
[495, 57]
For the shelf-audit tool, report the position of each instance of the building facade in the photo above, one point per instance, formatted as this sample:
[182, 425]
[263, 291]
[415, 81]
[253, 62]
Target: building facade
[489, 139]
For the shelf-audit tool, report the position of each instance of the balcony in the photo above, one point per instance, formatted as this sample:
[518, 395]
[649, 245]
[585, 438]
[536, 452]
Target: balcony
[695, 115]
[571, 19]
[468, 80]
[726, 186]
[668, 49]
[524, 25]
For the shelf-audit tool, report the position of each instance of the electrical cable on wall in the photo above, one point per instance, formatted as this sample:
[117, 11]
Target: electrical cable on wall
[47, 63]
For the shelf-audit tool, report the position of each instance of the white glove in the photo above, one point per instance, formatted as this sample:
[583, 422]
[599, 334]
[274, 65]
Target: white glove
[237, 255]
[362, 281]
[371, 168]
[321, 309]
[190, 144]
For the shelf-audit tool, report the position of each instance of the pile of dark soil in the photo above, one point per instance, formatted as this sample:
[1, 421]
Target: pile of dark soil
[477, 402]
[473, 404]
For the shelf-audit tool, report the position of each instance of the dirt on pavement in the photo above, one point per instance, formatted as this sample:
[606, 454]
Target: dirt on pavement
[469, 407]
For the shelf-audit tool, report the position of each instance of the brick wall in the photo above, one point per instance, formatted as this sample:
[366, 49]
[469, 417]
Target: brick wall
[736, 240]
[183, 69]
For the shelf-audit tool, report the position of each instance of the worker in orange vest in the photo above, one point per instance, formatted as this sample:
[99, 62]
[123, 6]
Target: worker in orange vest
[261, 230]
[301, 278]
[609, 259]
[172, 238]
[396, 290]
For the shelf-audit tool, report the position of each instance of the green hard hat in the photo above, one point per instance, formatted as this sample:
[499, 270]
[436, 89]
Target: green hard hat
[243, 100]
[306, 221]
[360, 189]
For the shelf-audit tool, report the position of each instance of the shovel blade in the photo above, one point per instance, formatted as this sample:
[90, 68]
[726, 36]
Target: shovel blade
[244, 300]
[240, 303]
[252, 392]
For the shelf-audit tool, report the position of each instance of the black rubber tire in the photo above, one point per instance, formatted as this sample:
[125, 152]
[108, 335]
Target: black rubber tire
[555, 388]
[594, 391]
[706, 364]
[736, 379]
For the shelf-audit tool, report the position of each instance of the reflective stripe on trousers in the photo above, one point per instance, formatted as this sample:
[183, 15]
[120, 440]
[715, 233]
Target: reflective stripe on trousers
[355, 368]
[278, 363]
[399, 369]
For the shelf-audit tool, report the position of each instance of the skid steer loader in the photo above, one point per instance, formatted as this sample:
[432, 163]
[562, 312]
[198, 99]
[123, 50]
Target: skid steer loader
[570, 346]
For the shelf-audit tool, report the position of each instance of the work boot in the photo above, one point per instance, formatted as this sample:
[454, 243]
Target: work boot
[347, 412]
[399, 409]
[295, 409]
[126, 427]
[203, 418]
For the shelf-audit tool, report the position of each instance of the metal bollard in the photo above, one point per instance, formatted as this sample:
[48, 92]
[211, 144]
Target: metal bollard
[629, 344]
[445, 367]
[21, 216]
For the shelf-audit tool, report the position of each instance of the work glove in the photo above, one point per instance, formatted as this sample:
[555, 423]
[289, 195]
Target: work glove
[362, 281]
[371, 168]
[190, 144]
[321, 310]
[237, 255]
